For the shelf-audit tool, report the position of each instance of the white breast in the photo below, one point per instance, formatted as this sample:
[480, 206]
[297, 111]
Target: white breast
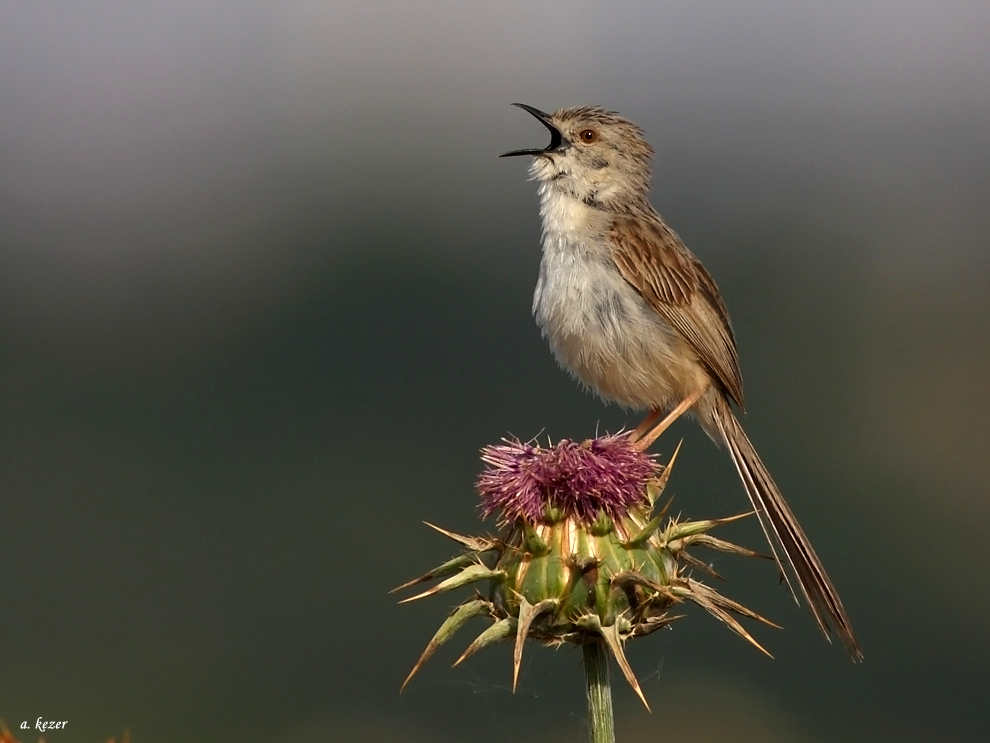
[599, 328]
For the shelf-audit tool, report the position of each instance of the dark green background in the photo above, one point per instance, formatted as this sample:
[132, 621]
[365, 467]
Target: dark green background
[265, 290]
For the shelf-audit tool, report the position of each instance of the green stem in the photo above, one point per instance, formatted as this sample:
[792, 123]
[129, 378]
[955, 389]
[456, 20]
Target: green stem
[600, 718]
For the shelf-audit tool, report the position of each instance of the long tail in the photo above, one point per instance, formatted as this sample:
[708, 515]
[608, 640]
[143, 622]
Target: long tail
[777, 519]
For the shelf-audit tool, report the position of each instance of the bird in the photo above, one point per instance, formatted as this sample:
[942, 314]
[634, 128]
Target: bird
[633, 315]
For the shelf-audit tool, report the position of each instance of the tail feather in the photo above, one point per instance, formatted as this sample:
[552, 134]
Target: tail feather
[777, 518]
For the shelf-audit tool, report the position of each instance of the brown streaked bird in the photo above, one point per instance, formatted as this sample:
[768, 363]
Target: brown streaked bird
[632, 314]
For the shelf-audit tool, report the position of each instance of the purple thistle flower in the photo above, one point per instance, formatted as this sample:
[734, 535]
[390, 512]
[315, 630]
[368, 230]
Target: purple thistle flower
[581, 479]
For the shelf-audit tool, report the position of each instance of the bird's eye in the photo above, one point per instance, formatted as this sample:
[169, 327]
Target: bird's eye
[588, 135]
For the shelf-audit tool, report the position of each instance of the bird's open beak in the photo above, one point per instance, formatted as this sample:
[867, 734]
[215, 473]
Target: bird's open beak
[557, 141]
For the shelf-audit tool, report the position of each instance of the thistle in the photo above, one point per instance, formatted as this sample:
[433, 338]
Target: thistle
[580, 556]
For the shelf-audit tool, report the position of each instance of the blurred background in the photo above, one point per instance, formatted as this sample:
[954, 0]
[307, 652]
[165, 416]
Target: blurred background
[265, 291]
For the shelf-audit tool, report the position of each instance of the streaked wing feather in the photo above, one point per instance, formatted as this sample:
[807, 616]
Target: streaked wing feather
[652, 258]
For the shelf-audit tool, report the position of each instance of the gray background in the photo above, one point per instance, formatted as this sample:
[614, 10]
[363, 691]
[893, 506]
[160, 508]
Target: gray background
[264, 292]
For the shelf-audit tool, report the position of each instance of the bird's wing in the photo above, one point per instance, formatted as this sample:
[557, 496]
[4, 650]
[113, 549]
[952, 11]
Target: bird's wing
[652, 258]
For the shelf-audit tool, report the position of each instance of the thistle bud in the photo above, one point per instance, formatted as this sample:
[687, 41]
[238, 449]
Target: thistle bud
[580, 556]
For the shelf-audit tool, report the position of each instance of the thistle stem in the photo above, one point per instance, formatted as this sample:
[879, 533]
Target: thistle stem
[600, 718]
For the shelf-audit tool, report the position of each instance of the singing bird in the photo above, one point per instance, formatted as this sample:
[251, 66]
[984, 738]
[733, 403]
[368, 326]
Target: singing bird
[631, 313]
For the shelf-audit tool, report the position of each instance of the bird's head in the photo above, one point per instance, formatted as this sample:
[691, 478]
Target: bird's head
[594, 155]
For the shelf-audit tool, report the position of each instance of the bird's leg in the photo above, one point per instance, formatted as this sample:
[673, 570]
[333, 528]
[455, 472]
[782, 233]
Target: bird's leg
[642, 428]
[646, 441]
